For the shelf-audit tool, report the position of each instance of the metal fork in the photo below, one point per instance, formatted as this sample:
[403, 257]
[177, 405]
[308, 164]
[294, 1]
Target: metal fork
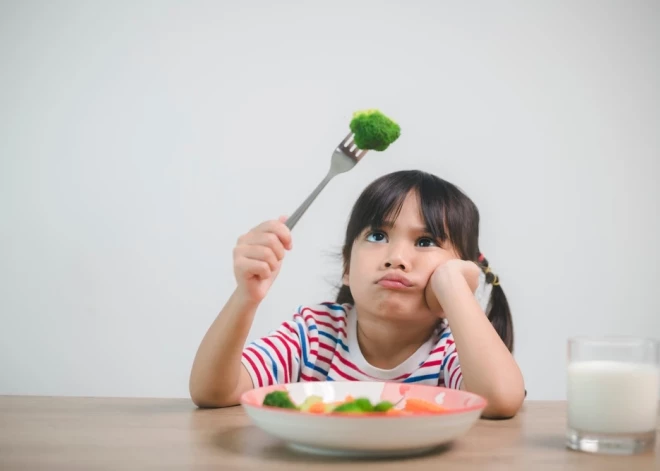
[344, 158]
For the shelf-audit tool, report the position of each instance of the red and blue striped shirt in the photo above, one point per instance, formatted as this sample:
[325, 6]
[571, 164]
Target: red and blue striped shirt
[320, 344]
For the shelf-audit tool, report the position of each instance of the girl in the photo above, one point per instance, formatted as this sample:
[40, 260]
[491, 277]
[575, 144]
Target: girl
[418, 303]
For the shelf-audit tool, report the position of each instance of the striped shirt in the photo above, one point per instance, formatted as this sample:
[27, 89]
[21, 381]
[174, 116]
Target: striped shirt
[320, 344]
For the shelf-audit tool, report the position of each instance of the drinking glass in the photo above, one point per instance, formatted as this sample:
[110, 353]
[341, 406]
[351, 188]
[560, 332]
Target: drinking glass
[613, 391]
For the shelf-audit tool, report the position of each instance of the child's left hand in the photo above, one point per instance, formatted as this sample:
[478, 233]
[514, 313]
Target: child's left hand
[445, 277]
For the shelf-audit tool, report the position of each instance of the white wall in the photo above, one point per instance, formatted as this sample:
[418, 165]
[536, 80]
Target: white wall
[139, 139]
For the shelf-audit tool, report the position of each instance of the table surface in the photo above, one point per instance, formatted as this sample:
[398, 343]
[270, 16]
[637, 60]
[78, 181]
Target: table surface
[97, 433]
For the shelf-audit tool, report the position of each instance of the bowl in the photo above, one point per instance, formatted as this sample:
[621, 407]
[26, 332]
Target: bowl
[368, 434]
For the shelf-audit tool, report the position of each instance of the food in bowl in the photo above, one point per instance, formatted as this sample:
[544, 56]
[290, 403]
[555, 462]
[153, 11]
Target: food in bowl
[315, 405]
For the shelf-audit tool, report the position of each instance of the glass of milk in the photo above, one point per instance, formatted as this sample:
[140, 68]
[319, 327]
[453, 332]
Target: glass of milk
[613, 391]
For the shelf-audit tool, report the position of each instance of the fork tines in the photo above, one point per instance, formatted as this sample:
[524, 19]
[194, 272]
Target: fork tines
[348, 147]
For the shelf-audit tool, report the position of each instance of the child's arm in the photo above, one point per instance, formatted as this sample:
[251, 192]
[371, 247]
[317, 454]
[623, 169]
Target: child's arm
[487, 366]
[218, 378]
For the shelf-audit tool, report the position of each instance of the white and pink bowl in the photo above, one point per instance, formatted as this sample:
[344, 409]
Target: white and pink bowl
[366, 434]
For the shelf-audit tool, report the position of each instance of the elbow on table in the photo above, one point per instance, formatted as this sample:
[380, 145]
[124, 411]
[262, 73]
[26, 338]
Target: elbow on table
[206, 397]
[504, 403]
[211, 400]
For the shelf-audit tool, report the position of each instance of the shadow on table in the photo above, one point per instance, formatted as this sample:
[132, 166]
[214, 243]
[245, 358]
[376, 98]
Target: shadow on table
[251, 441]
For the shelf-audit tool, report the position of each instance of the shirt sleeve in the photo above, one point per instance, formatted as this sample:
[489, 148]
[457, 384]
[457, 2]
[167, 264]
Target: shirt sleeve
[275, 358]
[450, 370]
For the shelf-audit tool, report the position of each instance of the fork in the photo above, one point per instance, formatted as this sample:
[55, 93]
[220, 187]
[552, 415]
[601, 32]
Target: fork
[344, 158]
[403, 396]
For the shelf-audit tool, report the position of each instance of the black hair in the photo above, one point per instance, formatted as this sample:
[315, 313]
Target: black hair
[448, 214]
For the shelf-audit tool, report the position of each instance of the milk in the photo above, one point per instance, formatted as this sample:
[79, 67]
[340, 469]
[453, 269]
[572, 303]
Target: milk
[613, 397]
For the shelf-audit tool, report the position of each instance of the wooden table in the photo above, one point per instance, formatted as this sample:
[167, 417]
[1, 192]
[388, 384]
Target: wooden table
[92, 434]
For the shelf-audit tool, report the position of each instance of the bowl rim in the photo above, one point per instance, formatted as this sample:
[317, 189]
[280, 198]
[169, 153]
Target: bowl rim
[481, 403]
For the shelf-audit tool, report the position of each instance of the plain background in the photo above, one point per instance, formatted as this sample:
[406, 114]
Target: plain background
[138, 140]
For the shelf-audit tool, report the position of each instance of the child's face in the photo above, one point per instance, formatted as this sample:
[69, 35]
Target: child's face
[404, 250]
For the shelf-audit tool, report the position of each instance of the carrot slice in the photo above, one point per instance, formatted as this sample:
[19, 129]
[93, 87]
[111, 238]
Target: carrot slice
[420, 405]
[317, 408]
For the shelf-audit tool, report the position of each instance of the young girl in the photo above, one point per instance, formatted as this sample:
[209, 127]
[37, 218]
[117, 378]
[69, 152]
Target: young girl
[418, 304]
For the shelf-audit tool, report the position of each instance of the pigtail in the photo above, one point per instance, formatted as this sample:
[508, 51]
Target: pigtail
[344, 295]
[499, 313]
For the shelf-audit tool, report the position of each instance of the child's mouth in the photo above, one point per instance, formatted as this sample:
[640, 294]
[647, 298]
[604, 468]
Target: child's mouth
[393, 284]
[394, 281]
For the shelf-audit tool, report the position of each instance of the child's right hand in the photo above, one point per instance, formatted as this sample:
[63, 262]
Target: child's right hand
[258, 256]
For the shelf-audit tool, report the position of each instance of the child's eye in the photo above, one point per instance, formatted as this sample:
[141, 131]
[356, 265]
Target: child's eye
[426, 242]
[376, 236]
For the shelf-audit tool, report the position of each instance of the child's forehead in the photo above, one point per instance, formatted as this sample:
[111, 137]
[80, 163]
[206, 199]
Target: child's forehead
[409, 211]
[405, 212]
[412, 221]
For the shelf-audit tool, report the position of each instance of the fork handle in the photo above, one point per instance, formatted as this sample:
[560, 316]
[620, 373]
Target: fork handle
[295, 217]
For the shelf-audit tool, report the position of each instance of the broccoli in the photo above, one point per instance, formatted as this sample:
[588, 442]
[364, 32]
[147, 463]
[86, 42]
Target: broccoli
[359, 405]
[383, 406]
[349, 407]
[279, 399]
[373, 130]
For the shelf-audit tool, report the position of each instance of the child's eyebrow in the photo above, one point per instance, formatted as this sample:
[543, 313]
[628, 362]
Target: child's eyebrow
[415, 229]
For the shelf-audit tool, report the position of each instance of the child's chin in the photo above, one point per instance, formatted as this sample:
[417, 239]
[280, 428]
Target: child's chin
[402, 309]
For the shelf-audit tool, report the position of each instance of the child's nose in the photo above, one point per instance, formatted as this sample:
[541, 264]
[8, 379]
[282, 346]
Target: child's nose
[396, 259]
[395, 264]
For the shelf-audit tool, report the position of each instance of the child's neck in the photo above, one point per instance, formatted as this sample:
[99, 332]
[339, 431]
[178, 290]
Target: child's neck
[386, 345]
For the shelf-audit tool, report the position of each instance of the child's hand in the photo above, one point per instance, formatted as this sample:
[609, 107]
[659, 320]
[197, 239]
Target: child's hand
[258, 256]
[444, 278]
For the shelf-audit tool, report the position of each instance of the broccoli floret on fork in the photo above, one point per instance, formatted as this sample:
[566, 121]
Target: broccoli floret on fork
[373, 130]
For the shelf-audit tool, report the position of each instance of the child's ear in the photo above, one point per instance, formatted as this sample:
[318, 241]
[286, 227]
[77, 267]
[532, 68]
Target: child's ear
[344, 279]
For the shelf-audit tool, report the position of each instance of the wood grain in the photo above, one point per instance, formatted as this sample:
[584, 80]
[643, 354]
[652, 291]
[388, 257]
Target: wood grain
[107, 434]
